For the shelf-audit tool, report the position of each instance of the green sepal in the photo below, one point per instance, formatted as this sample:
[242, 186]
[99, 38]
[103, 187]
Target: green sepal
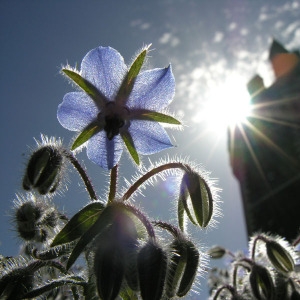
[261, 283]
[183, 200]
[178, 261]
[130, 146]
[79, 224]
[191, 267]
[280, 257]
[149, 115]
[128, 82]
[181, 206]
[86, 134]
[104, 220]
[88, 87]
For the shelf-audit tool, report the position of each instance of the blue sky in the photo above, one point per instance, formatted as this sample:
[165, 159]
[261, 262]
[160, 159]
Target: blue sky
[210, 44]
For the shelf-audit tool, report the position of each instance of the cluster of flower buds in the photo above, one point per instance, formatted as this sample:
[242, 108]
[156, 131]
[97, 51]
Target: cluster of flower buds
[37, 219]
[269, 273]
[129, 258]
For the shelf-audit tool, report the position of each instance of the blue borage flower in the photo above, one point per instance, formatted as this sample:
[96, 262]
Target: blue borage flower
[118, 106]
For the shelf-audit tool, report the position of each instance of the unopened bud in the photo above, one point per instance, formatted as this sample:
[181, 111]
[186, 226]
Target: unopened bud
[261, 283]
[183, 268]
[152, 267]
[109, 267]
[176, 267]
[43, 171]
[116, 254]
[192, 255]
[216, 252]
[35, 220]
[201, 198]
[280, 257]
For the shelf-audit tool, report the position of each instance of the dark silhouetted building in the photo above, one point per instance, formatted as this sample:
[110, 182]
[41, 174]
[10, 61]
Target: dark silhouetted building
[265, 150]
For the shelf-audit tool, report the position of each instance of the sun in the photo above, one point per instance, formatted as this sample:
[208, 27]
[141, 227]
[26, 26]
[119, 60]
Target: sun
[226, 105]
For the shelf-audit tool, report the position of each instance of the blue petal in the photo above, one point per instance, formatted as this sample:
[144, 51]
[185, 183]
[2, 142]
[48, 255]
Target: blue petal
[76, 111]
[104, 152]
[149, 137]
[153, 89]
[104, 67]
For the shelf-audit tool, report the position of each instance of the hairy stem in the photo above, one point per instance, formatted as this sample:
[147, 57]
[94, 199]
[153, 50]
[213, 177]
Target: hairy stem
[72, 280]
[83, 174]
[259, 237]
[153, 172]
[113, 184]
[227, 287]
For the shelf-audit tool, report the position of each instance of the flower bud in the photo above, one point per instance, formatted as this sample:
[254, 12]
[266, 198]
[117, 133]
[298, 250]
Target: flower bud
[152, 267]
[14, 286]
[109, 267]
[43, 171]
[128, 240]
[192, 261]
[201, 198]
[35, 220]
[116, 255]
[216, 252]
[176, 267]
[183, 268]
[279, 257]
[261, 283]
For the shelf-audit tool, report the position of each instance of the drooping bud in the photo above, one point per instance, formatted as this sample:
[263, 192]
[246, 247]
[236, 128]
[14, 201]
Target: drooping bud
[109, 268]
[261, 283]
[14, 286]
[279, 257]
[176, 267]
[35, 220]
[43, 171]
[152, 267]
[216, 252]
[201, 198]
[27, 217]
[128, 239]
[192, 262]
[116, 255]
[183, 268]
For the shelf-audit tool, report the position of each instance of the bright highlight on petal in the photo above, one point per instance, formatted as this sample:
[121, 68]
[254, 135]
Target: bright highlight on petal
[226, 105]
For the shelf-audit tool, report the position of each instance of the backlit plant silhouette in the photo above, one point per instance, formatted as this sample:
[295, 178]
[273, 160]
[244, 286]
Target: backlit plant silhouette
[110, 248]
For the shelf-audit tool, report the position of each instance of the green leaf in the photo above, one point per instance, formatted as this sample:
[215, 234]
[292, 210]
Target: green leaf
[79, 224]
[128, 82]
[86, 134]
[130, 146]
[103, 221]
[88, 87]
[156, 116]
